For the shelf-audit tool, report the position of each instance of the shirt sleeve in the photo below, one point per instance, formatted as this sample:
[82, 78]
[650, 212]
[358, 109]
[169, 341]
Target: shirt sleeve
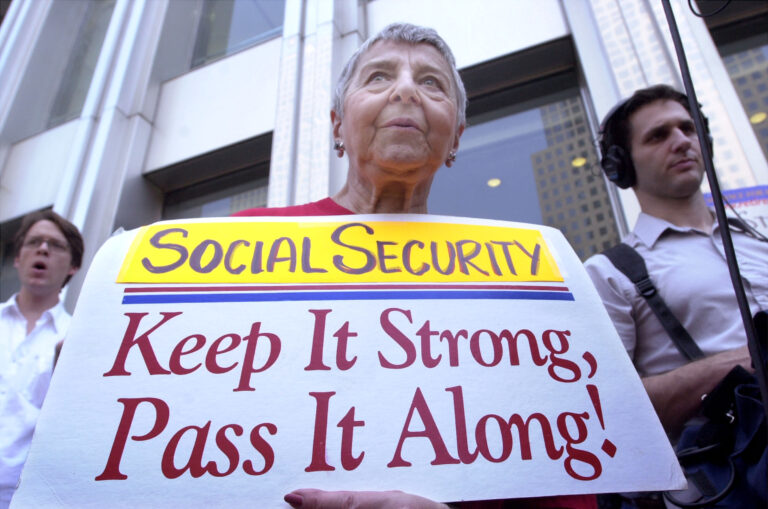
[616, 291]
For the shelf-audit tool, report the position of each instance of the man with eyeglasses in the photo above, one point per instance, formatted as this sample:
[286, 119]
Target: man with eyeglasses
[48, 250]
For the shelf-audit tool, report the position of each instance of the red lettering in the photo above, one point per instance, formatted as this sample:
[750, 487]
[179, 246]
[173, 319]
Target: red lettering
[342, 337]
[215, 350]
[525, 441]
[318, 463]
[348, 425]
[477, 354]
[514, 358]
[400, 339]
[460, 420]
[178, 351]
[577, 454]
[426, 333]
[263, 447]
[481, 435]
[318, 338]
[162, 412]
[229, 449]
[195, 462]
[453, 344]
[557, 361]
[248, 369]
[145, 347]
[430, 432]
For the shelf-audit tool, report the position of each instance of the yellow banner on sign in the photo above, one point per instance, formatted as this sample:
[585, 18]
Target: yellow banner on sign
[336, 252]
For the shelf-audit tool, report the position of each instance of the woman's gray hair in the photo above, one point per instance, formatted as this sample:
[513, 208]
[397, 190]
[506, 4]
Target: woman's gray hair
[413, 34]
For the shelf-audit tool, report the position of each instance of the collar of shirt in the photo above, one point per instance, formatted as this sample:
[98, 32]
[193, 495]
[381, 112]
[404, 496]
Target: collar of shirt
[57, 314]
[649, 228]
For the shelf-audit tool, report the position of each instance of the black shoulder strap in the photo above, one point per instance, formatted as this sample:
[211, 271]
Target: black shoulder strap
[628, 261]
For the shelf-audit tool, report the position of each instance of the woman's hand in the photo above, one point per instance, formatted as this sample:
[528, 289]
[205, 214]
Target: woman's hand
[319, 499]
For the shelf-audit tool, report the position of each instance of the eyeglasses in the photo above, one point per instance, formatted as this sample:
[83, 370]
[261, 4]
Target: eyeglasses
[53, 244]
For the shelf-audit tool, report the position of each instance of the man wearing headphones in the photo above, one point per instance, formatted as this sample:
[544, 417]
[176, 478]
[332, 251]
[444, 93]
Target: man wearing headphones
[649, 143]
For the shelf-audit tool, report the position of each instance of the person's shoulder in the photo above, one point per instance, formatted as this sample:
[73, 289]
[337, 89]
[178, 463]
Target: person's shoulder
[6, 306]
[10, 302]
[600, 262]
[264, 211]
[602, 270]
[596, 261]
[61, 316]
[324, 207]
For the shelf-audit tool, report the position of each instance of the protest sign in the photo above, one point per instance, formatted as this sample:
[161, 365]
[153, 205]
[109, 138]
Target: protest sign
[227, 362]
[751, 204]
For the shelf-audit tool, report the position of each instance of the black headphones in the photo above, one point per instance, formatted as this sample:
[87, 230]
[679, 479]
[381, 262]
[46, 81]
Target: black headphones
[617, 161]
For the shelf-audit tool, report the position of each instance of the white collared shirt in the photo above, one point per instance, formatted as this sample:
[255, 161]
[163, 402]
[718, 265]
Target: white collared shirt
[26, 365]
[689, 269]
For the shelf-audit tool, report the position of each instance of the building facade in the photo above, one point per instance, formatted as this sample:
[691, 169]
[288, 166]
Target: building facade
[119, 113]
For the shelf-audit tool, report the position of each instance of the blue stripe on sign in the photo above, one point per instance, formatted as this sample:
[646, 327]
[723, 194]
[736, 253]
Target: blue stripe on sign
[303, 296]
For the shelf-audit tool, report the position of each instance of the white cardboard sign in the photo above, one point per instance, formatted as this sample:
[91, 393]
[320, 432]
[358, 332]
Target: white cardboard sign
[453, 358]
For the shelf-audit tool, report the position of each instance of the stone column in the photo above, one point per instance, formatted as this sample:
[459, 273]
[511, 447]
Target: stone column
[318, 34]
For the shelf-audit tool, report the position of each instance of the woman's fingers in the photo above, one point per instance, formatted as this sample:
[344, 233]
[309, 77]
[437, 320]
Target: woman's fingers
[319, 499]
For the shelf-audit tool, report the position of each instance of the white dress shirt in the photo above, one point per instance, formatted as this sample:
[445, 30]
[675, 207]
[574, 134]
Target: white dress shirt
[689, 269]
[26, 365]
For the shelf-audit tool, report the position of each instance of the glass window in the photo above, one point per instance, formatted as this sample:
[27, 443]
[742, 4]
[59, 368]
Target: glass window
[218, 183]
[227, 26]
[740, 34]
[9, 278]
[509, 156]
[200, 201]
[60, 69]
[747, 64]
[215, 184]
[81, 63]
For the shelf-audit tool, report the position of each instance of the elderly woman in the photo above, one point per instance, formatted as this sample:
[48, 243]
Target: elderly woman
[398, 113]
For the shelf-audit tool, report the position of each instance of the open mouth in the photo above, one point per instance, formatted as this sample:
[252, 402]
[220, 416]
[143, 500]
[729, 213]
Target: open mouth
[39, 266]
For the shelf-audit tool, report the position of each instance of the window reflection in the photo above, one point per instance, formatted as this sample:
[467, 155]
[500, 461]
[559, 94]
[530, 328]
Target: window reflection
[200, 201]
[81, 62]
[61, 66]
[747, 64]
[541, 158]
[227, 26]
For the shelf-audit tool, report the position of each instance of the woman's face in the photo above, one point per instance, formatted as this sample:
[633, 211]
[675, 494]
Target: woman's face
[399, 110]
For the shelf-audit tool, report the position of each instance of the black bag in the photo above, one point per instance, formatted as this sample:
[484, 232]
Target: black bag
[724, 457]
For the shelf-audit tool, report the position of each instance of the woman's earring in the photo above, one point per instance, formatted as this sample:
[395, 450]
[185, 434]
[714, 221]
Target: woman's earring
[338, 146]
[451, 158]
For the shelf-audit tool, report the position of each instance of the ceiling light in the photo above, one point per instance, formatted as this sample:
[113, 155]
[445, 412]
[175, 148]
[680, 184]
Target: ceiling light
[578, 162]
[758, 117]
